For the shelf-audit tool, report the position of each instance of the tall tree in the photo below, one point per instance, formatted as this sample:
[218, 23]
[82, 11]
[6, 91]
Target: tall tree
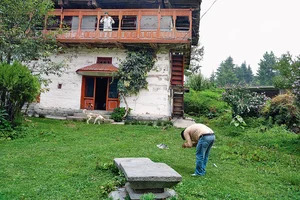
[22, 38]
[196, 58]
[226, 73]
[266, 71]
[249, 75]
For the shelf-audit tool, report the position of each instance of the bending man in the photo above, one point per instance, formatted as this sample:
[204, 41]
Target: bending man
[202, 137]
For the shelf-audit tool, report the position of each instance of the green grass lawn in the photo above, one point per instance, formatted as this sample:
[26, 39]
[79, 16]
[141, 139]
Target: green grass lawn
[60, 160]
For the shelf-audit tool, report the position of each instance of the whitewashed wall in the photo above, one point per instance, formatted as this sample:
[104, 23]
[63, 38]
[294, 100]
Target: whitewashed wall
[152, 103]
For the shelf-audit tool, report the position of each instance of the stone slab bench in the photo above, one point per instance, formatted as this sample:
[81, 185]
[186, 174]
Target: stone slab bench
[144, 176]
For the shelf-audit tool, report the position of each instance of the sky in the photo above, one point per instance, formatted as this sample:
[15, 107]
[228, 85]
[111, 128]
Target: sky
[246, 29]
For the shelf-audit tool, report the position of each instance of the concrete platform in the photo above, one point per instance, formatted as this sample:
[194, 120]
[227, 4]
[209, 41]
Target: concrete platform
[182, 123]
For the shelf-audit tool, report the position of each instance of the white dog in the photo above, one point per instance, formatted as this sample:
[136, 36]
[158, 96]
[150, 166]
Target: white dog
[90, 116]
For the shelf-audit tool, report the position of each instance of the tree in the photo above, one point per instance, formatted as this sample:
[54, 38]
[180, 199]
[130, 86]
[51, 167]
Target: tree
[226, 73]
[132, 73]
[289, 74]
[196, 57]
[266, 72]
[17, 86]
[244, 74]
[22, 38]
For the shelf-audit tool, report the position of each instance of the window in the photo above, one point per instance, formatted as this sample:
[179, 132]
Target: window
[182, 23]
[53, 23]
[104, 60]
[70, 23]
[129, 22]
[149, 23]
[166, 23]
[89, 23]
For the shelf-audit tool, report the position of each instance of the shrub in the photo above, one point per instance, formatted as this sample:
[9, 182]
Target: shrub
[282, 109]
[244, 102]
[198, 82]
[204, 103]
[17, 87]
[118, 114]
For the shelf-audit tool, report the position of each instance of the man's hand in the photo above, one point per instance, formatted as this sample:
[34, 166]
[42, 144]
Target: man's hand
[186, 145]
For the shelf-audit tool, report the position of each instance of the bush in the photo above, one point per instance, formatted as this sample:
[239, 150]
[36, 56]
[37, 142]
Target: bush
[198, 82]
[204, 103]
[118, 114]
[282, 109]
[17, 87]
[244, 102]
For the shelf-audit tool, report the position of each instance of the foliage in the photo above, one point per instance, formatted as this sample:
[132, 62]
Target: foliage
[266, 71]
[204, 103]
[22, 38]
[283, 110]
[244, 74]
[132, 73]
[198, 82]
[118, 113]
[17, 87]
[5, 125]
[238, 121]
[289, 74]
[196, 57]
[225, 73]
[244, 102]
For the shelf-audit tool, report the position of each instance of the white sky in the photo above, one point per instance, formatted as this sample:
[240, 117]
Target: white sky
[246, 29]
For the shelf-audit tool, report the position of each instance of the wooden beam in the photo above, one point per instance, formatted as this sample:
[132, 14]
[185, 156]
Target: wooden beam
[88, 45]
[119, 45]
[153, 45]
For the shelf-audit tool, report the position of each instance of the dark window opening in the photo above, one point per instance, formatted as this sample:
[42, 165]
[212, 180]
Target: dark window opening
[53, 23]
[89, 23]
[129, 22]
[104, 60]
[70, 23]
[59, 86]
[182, 23]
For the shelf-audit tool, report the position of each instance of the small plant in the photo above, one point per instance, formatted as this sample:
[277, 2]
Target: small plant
[238, 121]
[118, 114]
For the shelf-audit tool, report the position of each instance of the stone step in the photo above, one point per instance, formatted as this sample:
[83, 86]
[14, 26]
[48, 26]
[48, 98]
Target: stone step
[83, 118]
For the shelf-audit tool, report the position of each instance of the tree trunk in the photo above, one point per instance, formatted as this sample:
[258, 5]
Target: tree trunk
[126, 106]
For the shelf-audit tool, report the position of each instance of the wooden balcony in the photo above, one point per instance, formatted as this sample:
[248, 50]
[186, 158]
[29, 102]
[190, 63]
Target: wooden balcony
[161, 26]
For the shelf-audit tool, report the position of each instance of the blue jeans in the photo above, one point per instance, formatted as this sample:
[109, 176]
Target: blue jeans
[202, 151]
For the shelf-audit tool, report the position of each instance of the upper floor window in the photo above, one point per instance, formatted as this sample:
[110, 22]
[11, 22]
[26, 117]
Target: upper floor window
[182, 23]
[89, 23]
[104, 60]
[129, 22]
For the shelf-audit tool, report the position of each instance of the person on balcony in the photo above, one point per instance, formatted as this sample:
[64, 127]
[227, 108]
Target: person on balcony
[107, 22]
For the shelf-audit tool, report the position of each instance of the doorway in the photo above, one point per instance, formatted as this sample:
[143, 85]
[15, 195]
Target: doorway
[99, 93]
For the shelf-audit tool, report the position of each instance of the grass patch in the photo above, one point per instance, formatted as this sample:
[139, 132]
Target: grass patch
[72, 160]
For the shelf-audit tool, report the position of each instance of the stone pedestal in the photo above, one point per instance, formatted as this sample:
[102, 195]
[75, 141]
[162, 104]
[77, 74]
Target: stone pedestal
[145, 176]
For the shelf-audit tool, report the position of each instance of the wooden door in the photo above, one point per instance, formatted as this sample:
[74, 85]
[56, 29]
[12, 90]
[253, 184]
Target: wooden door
[112, 100]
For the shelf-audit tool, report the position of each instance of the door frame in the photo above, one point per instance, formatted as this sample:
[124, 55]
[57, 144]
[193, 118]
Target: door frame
[89, 102]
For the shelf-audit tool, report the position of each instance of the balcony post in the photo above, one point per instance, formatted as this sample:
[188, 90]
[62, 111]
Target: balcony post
[158, 24]
[138, 21]
[79, 24]
[120, 23]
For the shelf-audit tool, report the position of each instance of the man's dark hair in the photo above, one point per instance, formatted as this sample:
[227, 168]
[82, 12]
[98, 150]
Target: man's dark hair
[182, 134]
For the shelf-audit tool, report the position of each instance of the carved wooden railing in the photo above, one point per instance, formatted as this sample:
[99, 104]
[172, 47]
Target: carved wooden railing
[124, 31]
